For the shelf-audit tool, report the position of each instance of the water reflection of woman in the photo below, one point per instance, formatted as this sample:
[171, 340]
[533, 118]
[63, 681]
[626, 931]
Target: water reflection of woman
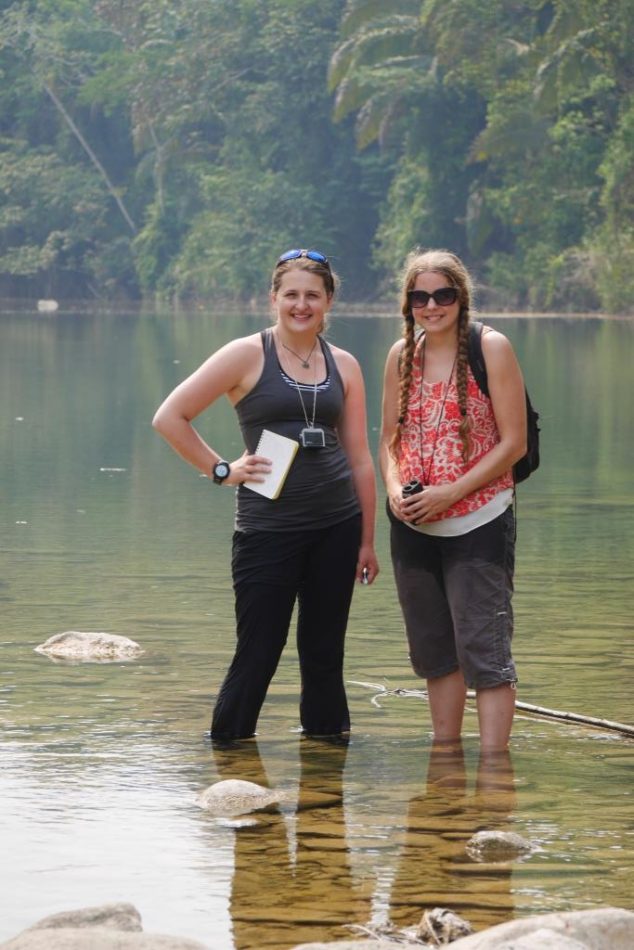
[292, 881]
[310, 543]
[453, 537]
[434, 869]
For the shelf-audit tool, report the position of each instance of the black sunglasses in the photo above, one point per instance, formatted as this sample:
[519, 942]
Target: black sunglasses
[302, 252]
[443, 297]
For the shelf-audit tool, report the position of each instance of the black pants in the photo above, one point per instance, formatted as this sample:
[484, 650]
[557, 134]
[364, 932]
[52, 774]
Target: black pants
[271, 570]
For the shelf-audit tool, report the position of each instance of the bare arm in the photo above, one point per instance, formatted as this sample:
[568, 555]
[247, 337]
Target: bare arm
[387, 462]
[231, 371]
[352, 431]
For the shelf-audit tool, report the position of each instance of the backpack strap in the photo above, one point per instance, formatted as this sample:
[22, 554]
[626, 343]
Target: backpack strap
[476, 357]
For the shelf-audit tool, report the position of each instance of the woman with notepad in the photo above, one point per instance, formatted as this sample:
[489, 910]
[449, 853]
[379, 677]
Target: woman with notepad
[305, 499]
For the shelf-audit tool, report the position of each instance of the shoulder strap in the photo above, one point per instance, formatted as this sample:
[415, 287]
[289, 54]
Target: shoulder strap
[331, 362]
[476, 358]
[265, 336]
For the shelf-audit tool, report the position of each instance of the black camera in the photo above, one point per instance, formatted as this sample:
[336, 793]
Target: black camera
[312, 438]
[412, 488]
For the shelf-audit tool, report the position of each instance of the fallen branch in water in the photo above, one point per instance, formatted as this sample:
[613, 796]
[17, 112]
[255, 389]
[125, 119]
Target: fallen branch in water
[385, 932]
[525, 707]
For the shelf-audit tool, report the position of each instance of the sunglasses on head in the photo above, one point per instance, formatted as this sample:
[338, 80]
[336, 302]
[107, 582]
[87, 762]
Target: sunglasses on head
[443, 297]
[302, 252]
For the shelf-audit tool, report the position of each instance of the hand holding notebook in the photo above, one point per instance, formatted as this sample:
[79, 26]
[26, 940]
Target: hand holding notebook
[281, 451]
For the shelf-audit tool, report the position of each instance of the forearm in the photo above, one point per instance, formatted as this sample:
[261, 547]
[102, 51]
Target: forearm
[389, 468]
[365, 487]
[180, 434]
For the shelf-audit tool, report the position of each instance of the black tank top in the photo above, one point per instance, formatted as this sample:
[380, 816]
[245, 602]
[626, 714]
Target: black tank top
[318, 490]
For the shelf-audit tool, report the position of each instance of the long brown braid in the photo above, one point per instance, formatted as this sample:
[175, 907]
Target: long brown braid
[446, 263]
[405, 367]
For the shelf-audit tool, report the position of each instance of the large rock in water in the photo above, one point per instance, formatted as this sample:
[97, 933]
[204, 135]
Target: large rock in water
[606, 928]
[118, 916]
[108, 927]
[79, 645]
[234, 796]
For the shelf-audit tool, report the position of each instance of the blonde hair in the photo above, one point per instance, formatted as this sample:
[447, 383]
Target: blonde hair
[325, 271]
[451, 267]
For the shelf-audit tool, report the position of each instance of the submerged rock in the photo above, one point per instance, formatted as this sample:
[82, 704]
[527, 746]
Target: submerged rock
[605, 928]
[88, 645]
[236, 797]
[497, 846]
[108, 927]
[440, 926]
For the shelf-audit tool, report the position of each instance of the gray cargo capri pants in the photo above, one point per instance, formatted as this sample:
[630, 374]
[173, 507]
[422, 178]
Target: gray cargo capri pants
[455, 594]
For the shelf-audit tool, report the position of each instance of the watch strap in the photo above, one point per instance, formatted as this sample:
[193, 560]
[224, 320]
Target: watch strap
[220, 471]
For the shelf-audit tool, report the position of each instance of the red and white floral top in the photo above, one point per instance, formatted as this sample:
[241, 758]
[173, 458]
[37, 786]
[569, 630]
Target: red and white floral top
[431, 447]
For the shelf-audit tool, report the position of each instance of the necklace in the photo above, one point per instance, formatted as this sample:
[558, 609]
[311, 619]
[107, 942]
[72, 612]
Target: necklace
[310, 437]
[440, 414]
[305, 361]
[311, 424]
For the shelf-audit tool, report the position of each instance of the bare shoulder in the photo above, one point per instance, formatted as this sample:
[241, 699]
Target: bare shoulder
[346, 362]
[503, 368]
[230, 370]
[243, 345]
[239, 352]
[395, 351]
[350, 372]
[495, 346]
[394, 355]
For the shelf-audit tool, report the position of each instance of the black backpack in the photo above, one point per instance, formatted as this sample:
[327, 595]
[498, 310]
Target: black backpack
[529, 462]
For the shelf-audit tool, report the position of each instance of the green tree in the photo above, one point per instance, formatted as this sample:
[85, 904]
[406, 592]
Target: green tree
[74, 224]
[200, 120]
[284, 176]
[530, 107]
[386, 72]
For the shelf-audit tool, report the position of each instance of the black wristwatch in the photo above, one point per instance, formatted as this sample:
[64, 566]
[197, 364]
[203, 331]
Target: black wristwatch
[220, 471]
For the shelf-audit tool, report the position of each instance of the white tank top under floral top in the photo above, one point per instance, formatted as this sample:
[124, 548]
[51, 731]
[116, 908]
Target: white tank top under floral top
[431, 447]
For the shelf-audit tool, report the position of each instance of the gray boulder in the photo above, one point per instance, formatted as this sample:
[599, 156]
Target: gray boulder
[108, 927]
[89, 645]
[606, 928]
[97, 938]
[117, 916]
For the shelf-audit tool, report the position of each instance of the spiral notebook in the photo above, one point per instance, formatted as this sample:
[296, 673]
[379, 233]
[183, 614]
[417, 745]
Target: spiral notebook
[281, 451]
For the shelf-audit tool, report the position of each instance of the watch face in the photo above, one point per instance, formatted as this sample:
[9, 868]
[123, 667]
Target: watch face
[221, 470]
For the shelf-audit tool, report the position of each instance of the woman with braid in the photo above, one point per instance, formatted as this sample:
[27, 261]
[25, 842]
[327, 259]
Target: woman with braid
[452, 542]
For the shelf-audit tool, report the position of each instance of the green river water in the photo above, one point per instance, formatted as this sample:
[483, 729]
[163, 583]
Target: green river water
[103, 528]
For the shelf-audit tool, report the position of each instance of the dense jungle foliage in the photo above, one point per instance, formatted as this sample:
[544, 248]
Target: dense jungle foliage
[172, 148]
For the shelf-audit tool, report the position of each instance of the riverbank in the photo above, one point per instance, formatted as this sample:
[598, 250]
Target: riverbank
[386, 309]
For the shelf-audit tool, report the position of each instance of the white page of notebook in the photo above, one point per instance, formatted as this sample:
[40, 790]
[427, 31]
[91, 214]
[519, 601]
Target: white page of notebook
[281, 451]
